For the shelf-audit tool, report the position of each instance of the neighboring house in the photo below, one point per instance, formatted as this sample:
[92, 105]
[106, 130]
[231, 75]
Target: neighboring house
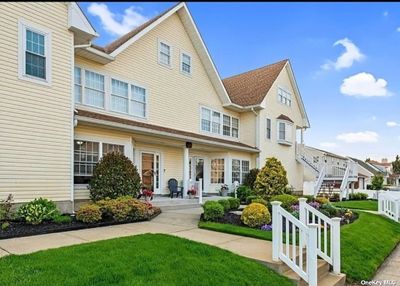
[154, 95]
[385, 168]
[365, 173]
[324, 169]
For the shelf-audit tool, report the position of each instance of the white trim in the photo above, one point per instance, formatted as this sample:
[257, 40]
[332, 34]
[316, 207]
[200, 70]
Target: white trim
[23, 25]
[72, 130]
[78, 20]
[171, 53]
[182, 52]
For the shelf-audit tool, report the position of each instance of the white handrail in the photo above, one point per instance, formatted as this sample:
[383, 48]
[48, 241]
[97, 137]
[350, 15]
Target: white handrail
[325, 227]
[389, 205]
[287, 251]
[320, 180]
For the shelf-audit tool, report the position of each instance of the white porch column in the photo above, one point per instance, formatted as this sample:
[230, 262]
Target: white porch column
[185, 170]
[302, 136]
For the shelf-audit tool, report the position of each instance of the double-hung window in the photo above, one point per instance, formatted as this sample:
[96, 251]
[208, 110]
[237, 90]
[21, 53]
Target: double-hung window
[235, 127]
[138, 101]
[34, 52]
[268, 128]
[284, 97]
[216, 122]
[284, 132]
[164, 54]
[205, 119]
[226, 128]
[78, 84]
[94, 89]
[217, 171]
[186, 64]
[119, 96]
[240, 169]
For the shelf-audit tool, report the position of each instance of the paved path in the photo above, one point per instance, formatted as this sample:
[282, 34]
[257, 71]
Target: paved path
[181, 223]
[390, 269]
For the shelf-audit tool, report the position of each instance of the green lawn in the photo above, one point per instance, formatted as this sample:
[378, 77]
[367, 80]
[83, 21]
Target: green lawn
[365, 243]
[149, 259]
[361, 205]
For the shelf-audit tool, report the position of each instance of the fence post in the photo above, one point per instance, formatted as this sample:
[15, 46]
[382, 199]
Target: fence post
[380, 200]
[335, 237]
[200, 190]
[276, 230]
[303, 219]
[312, 255]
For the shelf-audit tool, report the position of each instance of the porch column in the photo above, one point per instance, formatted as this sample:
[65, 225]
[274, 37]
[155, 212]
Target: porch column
[186, 167]
[302, 136]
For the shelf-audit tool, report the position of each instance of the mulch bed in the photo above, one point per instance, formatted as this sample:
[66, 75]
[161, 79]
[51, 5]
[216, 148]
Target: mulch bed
[20, 229]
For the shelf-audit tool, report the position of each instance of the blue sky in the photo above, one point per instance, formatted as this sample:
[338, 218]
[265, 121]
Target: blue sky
[345, 56]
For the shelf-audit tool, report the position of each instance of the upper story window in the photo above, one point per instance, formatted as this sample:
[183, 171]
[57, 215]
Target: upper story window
[211, 121]
[284, 132]
[34, 52]
[90, 89]
[284, 97]
[186, 64]
[268, 129]
[164, 54]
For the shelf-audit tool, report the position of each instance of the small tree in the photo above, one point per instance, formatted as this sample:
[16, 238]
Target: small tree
[377, 182]
[396, 165]
[114, 176]
[251, 177]
[271, 180]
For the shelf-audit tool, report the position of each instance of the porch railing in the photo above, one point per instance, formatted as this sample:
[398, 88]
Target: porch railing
[389, 205]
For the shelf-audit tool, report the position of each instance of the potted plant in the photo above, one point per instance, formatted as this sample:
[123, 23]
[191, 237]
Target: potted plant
[148, 194]
[191, 192]
[224, 190]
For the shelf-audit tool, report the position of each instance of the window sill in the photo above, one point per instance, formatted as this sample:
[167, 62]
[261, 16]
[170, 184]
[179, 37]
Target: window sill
[283, 142]
[165, 65]
[35, 79]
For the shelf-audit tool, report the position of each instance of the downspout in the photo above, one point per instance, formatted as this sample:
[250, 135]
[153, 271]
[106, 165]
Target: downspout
[258, 164]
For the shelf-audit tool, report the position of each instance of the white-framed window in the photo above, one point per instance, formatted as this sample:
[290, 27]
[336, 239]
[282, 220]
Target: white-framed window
[186, 64]
[240, 169]
[217, 171]
[34, 45]
[87, 154]
[284, 132]
[268, 128]
[212, 121]
[164, 53]
[124, 97]
[119, 96]
[284, 96]
[94, 90]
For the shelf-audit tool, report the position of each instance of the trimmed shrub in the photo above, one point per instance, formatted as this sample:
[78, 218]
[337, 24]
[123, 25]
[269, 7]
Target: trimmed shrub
[358, 196]
[234, 203]
[243, 192]
[287, 200]
[61, 219]
[271, 180]
[38, 210]
[213, 210]
[89, 213]
[310, 198]
[226, 204]
[249, 199]
[260, 201]
[125, 208]
[251, 177]
[114, 176]
[377, 182]
[329, 210]
[322, 200]
[255, 215]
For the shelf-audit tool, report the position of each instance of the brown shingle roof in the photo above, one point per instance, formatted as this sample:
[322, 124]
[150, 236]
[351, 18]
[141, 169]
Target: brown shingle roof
[123, 39]
[251, 87]
[151, 127]
[284, 117]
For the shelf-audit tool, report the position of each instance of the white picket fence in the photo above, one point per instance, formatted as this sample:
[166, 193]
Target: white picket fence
[311, 231]
[389, 204]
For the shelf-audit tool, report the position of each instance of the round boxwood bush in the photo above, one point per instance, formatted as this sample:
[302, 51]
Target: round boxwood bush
[213, 210]
[255, 215]
[235, 203]
[89, 213]
[260, 201]
[114, 176]
[226, 204]
[287, 200]
[271, 180]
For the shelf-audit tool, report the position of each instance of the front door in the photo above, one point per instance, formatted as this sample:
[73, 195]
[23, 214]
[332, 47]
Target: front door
[150, 170]
[196, 167]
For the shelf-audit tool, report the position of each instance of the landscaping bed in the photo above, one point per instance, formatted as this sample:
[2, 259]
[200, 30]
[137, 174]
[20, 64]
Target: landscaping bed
[147, 259]
[21, 228]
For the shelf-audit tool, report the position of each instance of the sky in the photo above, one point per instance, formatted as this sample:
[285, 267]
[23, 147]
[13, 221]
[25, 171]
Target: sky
[345, 56]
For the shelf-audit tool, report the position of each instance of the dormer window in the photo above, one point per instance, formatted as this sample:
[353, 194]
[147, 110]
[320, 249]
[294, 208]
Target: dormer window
[285, 130]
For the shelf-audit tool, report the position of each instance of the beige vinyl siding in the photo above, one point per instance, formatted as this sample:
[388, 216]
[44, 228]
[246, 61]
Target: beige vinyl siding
[35, 119]
[174, 99]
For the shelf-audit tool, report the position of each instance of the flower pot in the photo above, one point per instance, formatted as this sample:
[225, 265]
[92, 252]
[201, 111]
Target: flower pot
[224, 193]
[191, 196]
[147, 198]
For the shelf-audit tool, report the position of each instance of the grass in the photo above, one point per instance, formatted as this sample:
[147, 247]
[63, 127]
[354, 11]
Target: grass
[365, 243]
[148, 259]
[369, 205]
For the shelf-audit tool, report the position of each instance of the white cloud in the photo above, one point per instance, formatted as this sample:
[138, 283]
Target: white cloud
[328, 144]
[117, 24]
[373, 118]
[358, 137]
[345, 60]
[364, 84]
[392, 124]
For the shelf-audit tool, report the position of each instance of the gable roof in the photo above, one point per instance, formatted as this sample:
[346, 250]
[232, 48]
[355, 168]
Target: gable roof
[330, 154]
[251, 87]
[284, 117]
[370, 168]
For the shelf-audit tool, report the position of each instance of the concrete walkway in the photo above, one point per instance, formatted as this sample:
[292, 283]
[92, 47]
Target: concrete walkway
[389, 270]
[181, 223]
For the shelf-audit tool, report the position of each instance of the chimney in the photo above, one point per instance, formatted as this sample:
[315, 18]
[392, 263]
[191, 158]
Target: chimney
[384, 160]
